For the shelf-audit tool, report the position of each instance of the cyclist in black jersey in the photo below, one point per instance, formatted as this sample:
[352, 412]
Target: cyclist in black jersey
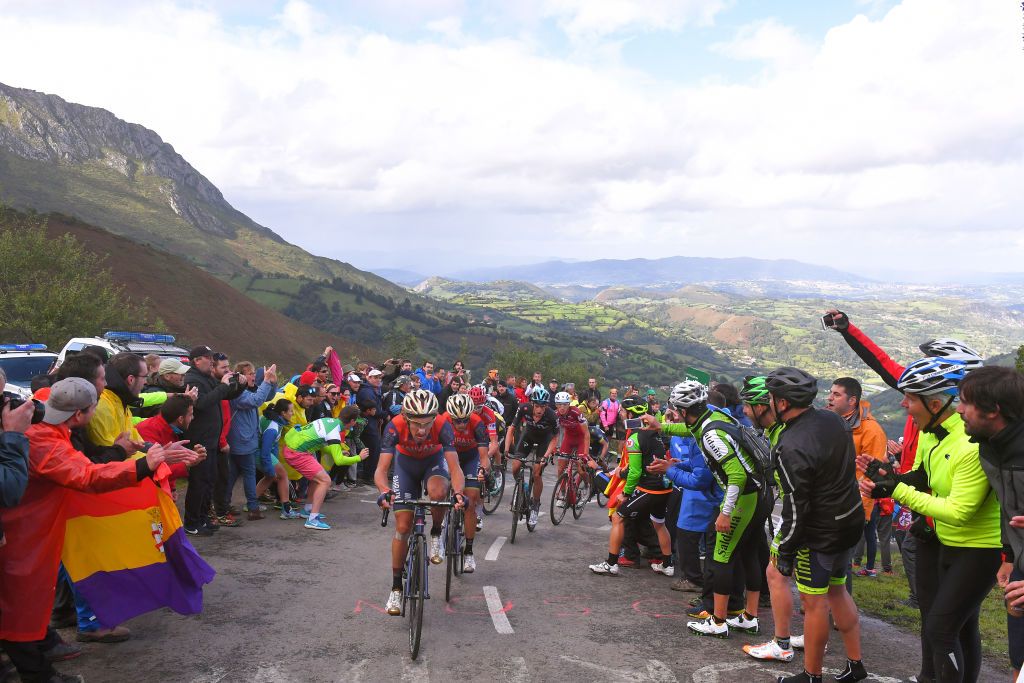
[533, 429]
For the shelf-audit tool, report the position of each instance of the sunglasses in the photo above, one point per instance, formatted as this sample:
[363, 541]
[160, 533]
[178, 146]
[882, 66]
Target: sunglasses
[333, 393]
[422, 424]
[461, 421]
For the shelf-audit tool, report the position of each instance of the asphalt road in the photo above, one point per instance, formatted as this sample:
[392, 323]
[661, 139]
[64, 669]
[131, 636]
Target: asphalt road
[293, 605]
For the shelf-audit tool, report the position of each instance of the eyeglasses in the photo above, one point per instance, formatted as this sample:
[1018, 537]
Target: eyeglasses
[333, 393]
[422, 424]
[460, 420]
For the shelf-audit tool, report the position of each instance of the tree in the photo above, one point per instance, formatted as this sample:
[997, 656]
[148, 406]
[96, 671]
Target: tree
[54, 289]
[512, 359]
[1020, 358]
[402, 344]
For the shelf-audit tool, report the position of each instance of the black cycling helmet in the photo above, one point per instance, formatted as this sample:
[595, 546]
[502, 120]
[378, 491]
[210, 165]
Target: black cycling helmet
[635, 406]
[792, 384]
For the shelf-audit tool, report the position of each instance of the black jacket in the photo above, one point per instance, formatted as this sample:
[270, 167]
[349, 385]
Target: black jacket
[1002, 458]
[816, 465]
[208, 416]
[510, 403]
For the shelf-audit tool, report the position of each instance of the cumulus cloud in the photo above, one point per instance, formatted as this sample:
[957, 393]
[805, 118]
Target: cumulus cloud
[883, 132]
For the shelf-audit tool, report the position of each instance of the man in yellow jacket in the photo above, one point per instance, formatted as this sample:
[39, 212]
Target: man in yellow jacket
[126, 376]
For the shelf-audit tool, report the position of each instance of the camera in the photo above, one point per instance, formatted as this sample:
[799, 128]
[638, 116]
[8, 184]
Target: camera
[15, 401]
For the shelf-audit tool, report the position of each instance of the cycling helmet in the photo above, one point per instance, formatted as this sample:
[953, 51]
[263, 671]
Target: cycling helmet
[932, 376]
[754, 391]
[953, 349]
[635, 406]
[495, 405]
[688, 393]
[460, 406]
[477, 395]
[792, 384]
[540, 395]
[419, 403]
[563, 398]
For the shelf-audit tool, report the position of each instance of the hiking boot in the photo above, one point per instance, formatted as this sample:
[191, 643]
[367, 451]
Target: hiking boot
[685, 586]
[255, 515]
[104, 635]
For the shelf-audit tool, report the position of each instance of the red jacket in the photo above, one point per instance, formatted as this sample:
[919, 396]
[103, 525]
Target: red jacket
[157, 430]
[35, 527]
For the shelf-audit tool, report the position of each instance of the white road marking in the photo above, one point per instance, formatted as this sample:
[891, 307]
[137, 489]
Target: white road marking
[520, 674]
[354, 674]
[656, 672]
[415, 672]
[268, 673]
[492, 552]
[363, 500]
[216, 675]
[497, 610]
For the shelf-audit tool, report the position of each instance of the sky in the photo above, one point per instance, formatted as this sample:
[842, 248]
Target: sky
[435, 135]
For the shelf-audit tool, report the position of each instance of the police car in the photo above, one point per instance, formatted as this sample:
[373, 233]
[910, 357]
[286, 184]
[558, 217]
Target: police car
[142, 343]
[22, 362]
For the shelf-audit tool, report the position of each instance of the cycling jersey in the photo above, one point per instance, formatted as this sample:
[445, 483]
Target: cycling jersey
[398, 437]
[323, 434]
[571, 420]
[642, 448]
[469, 436]
[490, 420]
[535, 430]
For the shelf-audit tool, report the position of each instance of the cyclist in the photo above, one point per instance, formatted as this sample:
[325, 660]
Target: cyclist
[758, 409]
[957, 567]
[534, 429]
[486, 413]
[821, 518]
[573, 435]
[644, 493]
[743, 511]
[471, 445]
[421, 444]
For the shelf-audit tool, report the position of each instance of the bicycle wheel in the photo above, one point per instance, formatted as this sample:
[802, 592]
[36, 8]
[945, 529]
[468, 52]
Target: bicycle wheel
[528, 505]
[581, 485]
[417, 584]
[496, 491]
[460, 541]
[560, 498]
[449, 555]
[517, 495]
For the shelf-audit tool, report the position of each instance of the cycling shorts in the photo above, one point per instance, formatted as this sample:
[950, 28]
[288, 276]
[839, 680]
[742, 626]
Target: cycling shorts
[643, 502]
[470, 462]
[536, 447]
[815, 571]
[571, 443]
[411, 475]
[745, 512]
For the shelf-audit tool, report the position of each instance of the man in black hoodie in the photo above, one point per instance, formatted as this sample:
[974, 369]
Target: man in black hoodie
[992, 406]
[207, 425]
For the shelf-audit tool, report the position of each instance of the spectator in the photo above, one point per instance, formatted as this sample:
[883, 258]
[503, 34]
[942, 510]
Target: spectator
[224, 514]
[553, 388]
[427, 379]
[458, 370]
[125, 376]
[701, 500]
[591, 390]
[508, 399]
[244, 433]
[609, 414]
[844, 399]
[355, 382]
[369, 400]
[521, 394]
[454, 387]
[168, 426]
[992, 407]
[152, 363]
[205, 430]
[276, 417]
[169, 377]
[491, 381]
[35, 536]
[392, 401]
[536, 383]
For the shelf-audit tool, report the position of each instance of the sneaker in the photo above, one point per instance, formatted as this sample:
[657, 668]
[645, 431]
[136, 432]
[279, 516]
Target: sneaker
[709, 627]
[267, 498]
[263, 508]
[669, 571]
[698, 613]
[435, 550]
[394, 604]
[291, 514]
[316, 523]
[117, 634]
[469, 564]
[770, 650]
[659, 568]
[58, 677]
[62, 652]
[796, 642]
[305, 514]
[198, 531]
[743, 623]
[605, 568]
[867, 572]
[255, 515]
[685, 586]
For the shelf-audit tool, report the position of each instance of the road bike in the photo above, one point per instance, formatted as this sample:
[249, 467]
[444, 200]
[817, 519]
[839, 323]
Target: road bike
[521, 488]
[494, 487]
[414, 574]
[454, 548]
[572, 489]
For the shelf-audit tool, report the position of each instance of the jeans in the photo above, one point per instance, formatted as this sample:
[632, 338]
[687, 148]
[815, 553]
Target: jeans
[244, 464]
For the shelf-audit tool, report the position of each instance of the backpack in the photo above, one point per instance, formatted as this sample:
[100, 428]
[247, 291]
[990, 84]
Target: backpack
[754, 444]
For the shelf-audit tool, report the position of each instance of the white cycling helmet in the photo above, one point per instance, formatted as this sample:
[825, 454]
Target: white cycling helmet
[563, 398]
[688, 393]
[460, 406]
[495, 405]
[419, 403]
[953, 349]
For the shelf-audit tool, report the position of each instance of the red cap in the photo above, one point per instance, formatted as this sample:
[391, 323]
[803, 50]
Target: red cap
[308, 377]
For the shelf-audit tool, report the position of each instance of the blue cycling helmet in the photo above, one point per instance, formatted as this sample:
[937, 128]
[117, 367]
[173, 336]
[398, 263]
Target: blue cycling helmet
[932, 377]
[540, 395]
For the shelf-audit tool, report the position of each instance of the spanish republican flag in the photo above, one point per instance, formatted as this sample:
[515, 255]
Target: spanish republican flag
[128, 554]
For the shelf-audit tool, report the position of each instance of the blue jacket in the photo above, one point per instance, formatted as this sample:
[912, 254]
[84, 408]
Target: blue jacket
[268, 447]
[244, 432]
[372, 395]
[13, 468]
[429, 384]
[701, 495]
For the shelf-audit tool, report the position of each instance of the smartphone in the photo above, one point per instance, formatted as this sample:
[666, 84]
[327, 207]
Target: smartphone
[828, 322]
[634, 423]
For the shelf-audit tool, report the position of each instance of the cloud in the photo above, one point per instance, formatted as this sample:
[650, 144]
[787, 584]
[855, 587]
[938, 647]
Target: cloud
[883, 133]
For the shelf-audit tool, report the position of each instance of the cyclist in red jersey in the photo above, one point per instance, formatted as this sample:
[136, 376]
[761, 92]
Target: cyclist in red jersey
[573, 434]
[421, 444]
[471, 444]
[479, 396]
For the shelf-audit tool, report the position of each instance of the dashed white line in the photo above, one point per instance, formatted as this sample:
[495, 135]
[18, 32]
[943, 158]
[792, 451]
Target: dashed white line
[492, 552]
[497, 610]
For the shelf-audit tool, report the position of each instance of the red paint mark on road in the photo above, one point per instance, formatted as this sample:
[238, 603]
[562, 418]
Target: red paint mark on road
[575, 603]
[661, 608]
[360, 604]
[454, 608]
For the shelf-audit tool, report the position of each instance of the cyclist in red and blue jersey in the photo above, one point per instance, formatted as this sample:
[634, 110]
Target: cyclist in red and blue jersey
[471, 445]
[421, 444]
[490, 420]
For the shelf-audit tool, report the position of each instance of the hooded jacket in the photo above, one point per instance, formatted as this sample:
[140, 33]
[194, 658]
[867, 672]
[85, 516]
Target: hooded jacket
[113, 415]
[868, 439]
[701, 495]
[1002, 459]
[244, 432]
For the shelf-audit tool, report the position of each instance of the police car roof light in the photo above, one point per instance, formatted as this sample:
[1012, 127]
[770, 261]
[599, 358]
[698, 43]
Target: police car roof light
[22, 347]
[150, 337]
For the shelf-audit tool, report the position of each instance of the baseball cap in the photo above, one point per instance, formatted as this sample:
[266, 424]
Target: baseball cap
[172, 365]
[374, 373]
[308, 377]
[68, 396]
[200, 352]
[354, 378]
